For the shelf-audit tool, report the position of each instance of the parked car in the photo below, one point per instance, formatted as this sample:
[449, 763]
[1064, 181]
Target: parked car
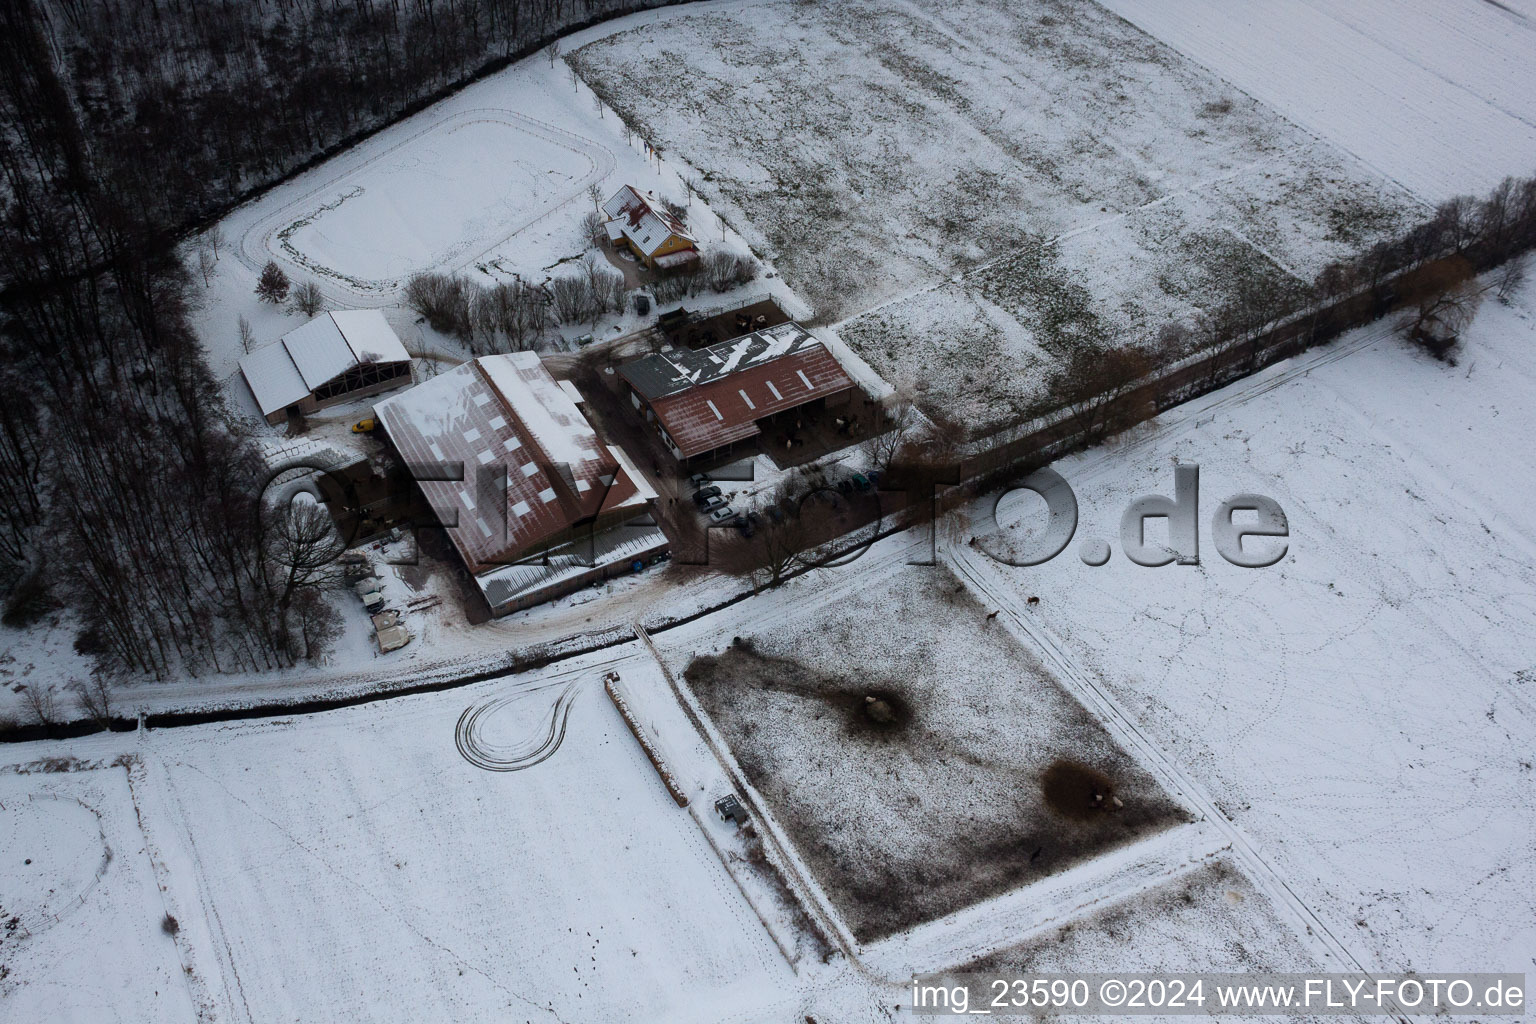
[703, 495]
[713, 504]
[861, 482]
[364, 426]
[721, 514]
[699, 480]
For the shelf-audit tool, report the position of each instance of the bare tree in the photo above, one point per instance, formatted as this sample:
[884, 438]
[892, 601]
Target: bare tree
[207, 263]
[93, 697]
[1093, 385]
[302, 550]
[317, 625]
[443, 300]
[552, 51]
[214, 239]
[592, 228]
[898, 420]
[1510, 277]
[774, 551]
[308, 300]
[247, 336]
[1449, 295]
[40, 704]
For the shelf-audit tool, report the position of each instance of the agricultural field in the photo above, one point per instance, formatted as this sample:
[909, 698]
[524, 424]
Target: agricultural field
[314, 880]
[1437, 95]
[1363, 708]
[82, 938]
[924, 764]
[970, 189]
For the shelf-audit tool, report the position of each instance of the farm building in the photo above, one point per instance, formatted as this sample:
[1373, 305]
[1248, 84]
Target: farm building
[333, 358]
[639, 221]
[534, 502]
[706, 401]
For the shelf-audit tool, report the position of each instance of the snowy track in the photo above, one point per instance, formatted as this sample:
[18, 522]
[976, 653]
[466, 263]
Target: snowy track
[350, 179]
[483, 752]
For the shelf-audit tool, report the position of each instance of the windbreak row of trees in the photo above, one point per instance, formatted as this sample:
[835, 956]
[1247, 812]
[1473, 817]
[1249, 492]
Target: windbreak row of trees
[515, 316]
[1429, 271]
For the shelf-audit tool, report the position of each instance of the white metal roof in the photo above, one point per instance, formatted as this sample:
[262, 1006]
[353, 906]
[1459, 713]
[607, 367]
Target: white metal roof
[273, 378]
[369, 336]
[333, 343]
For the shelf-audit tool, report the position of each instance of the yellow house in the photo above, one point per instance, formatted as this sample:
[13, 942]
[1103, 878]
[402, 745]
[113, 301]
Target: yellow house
[639, 222]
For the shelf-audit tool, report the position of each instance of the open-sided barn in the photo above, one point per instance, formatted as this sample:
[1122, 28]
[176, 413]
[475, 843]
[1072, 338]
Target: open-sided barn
[332, 358]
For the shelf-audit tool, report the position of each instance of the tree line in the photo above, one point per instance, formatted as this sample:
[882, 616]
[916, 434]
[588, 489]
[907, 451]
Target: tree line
[192, 104]
[515, 316]
[1428, 271]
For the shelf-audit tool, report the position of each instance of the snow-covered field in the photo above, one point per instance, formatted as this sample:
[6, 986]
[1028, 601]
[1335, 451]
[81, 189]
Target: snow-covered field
[1353, 727]
[1351, 730]
[1438, 95]
[438, 199]
[908, 746]
[1363, 709]
[353, 866]
[970, 186]
[76, 874]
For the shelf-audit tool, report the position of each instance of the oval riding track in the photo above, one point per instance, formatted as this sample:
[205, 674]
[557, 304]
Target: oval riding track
[470, 736]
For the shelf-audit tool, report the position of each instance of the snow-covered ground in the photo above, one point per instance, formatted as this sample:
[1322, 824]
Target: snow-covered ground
[1351, 729]
[1352, 726]
[902, 164]
[937, 798]
[491, 183]
[76, 872]
[316, 881]
[1438, 95]
[437, 199]
[1363, 709]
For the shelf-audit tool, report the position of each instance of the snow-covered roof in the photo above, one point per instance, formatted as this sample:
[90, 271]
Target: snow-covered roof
[623, 543]
[643, 219]
[333, 343]
[667, 373]
[318, 352]
[708, 398]
[369, 336]
[273, 378]
[498, 418]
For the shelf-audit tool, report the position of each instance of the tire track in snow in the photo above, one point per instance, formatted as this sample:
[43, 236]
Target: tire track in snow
[474, 747]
